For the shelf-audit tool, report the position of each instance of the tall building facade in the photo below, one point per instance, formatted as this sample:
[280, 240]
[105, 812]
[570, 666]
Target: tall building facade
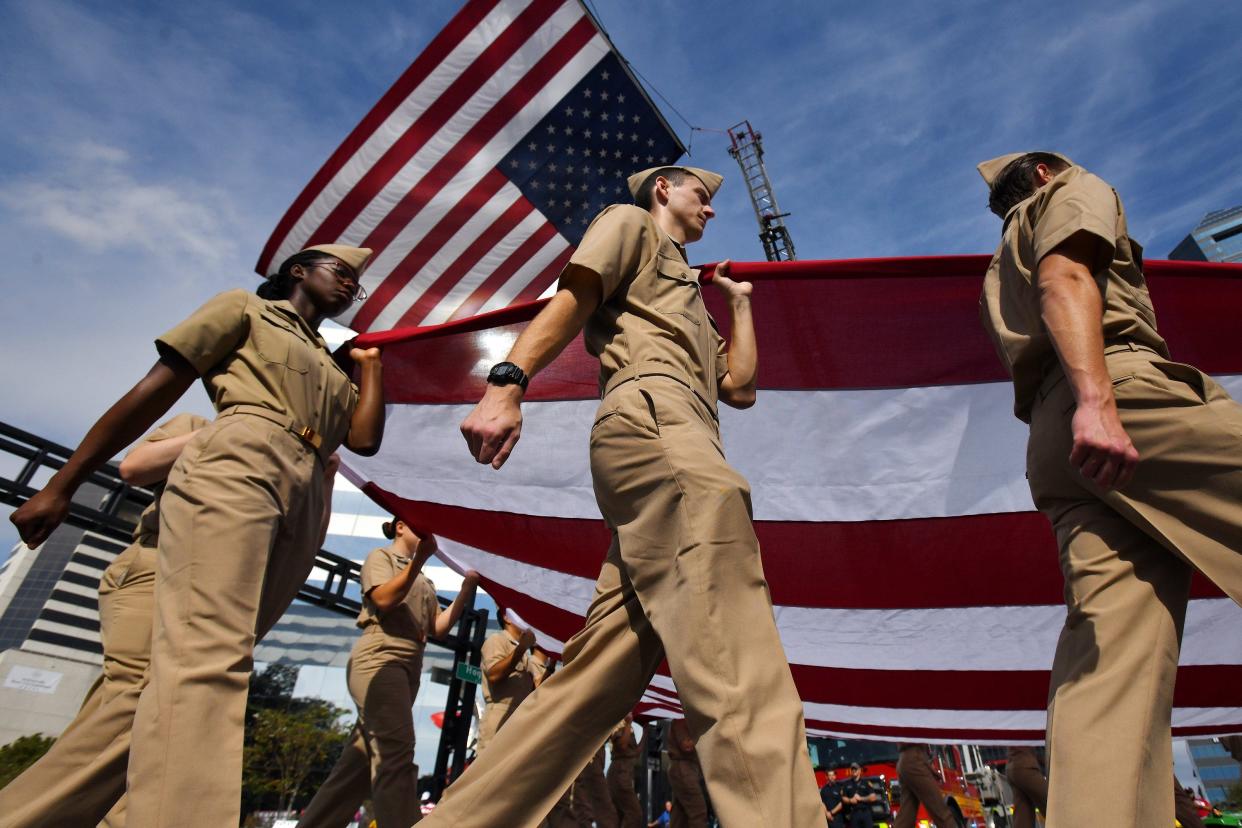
[1218, 238]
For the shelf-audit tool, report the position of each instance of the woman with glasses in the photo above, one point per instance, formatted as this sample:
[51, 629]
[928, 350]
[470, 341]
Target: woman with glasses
[239, 517]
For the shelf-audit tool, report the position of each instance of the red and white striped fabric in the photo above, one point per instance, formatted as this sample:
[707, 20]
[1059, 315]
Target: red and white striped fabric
[476, 173]
[917, 593]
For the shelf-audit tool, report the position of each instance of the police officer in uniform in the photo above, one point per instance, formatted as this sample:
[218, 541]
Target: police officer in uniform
[920, 786]
[1028, 783]
[620, 776]
[1136, 462]
[511, 672]
[857, 794]
[683, 577]
[82, 776]
[834, 808]
[239, 517]
[399, 612]
[685, 778]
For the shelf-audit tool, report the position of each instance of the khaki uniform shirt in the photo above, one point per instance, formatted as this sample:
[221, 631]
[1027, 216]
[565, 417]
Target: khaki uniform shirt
[148, 529]
[410, 621]
[504, 696]
[652, 311]
[1074, 201]
[252, 351]
[624, 745]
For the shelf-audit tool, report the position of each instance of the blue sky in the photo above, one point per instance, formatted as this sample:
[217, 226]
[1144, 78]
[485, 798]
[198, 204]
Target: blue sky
[150, 148]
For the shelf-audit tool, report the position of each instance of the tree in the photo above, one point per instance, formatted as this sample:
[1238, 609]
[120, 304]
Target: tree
[286, 746]
[20, 754]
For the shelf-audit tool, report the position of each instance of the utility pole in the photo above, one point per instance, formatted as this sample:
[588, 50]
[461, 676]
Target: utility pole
[747, 149]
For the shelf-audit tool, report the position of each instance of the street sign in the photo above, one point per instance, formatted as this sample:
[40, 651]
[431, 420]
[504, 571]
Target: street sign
[470, 673]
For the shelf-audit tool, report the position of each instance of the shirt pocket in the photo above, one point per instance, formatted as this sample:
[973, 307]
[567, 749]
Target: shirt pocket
[677, 290]
[279, 342]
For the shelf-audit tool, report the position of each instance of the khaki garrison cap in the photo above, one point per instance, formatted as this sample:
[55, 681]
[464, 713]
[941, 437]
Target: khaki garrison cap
[991, 169]
[710, 179]
[355, 257]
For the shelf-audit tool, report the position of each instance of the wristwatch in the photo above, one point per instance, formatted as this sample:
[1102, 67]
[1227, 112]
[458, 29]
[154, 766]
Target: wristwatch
[506, 373]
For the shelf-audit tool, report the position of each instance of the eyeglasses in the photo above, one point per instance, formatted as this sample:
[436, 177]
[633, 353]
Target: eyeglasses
[345, 277]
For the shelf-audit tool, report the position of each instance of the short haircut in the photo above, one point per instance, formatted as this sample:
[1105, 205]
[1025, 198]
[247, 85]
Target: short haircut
[1016, 181]
[675, 175]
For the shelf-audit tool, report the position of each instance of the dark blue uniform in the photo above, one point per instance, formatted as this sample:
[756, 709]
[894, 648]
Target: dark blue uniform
[859, 816]
[832, 805]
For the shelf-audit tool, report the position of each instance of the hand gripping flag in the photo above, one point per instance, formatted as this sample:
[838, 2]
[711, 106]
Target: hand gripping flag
[476, 174]
[917, 593]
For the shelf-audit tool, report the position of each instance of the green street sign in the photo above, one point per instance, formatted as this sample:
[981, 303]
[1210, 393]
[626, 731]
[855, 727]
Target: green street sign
[470, 673]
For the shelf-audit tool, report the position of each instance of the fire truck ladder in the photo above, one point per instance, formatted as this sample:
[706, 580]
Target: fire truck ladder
[746, 147]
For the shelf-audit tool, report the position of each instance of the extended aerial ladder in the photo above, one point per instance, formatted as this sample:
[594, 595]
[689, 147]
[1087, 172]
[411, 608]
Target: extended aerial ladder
[746, 147]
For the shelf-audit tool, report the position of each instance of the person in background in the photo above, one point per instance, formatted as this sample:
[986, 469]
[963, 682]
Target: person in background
[857, 795]
[511, 672]
[685, 778]
[239, 518]
[625, 752]
[1029, 785]
[920, 785]
[399, 613]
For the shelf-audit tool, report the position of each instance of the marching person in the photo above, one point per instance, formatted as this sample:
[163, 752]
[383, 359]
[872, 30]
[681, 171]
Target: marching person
[591, 802]
[685, 778]
[1135, 460]
[920, 785]
[1029, 785]
[620, 776]
[239, 516]
[682, 578]
[857, 794]
[399, 613]
[511, 672]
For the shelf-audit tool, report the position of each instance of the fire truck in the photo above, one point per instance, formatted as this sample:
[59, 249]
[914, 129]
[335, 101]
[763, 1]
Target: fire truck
[974, 790]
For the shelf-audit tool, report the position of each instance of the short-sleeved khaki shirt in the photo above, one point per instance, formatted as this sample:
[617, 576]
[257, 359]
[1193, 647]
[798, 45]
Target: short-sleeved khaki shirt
[1074, 201]
[624, 745]
[148, 529]
[414, 619]
[252, 351]
[652, 309]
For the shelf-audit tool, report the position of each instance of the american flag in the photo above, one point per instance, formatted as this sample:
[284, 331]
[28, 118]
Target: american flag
[917, 592]
[477, 173]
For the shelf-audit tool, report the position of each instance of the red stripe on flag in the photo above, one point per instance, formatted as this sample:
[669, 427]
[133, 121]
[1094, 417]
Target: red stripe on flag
[461, 266]
[545, 277]
[428, 246]
[482, 131]
[1007, 559]
[931, 337]
[498, 277]
[444, 43]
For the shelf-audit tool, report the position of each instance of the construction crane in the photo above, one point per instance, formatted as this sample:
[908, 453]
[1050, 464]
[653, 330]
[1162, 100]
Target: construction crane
[747, 149]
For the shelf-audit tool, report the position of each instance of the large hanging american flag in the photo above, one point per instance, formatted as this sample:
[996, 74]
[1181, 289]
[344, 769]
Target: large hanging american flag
[478, 171]
[917, 593]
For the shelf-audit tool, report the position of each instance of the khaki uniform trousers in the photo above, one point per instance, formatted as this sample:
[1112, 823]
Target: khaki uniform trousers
[239, 527]
[378, 760]
[81, 780]
[682, 579]
[592, 804]
[919, 786]
[1127, 558]
[625, 802]
[689, 806]
[1030, 788]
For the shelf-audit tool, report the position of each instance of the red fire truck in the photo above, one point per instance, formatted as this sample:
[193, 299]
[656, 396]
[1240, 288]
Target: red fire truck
[973, 790]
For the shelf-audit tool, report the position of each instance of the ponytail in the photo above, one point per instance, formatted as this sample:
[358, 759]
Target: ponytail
[280, 284]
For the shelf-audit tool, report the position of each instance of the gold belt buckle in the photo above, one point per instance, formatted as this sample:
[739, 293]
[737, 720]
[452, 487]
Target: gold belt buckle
[308, 434]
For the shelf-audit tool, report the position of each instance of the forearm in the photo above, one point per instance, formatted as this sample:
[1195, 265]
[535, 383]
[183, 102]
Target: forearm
[743, 350]
[445, 619]
[149, 463]
[1072, 309]
[505, 666]
[127, 420]
[549, 332]
[366, 426]
[393, 591]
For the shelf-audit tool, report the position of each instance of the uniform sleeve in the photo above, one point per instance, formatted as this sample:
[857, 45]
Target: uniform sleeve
[722, 355]
[376, 570]
[1086, 203]
[211, 333]
[618, 243]
[178, 426]
[495, 650]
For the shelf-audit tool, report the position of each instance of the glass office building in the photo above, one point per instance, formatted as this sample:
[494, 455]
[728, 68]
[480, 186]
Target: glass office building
[1218, 238]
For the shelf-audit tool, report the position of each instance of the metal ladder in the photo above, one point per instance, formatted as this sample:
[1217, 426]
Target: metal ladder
[746, 147]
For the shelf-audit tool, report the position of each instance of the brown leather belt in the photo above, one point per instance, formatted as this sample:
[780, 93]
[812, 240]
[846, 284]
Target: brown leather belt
[306, 434]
